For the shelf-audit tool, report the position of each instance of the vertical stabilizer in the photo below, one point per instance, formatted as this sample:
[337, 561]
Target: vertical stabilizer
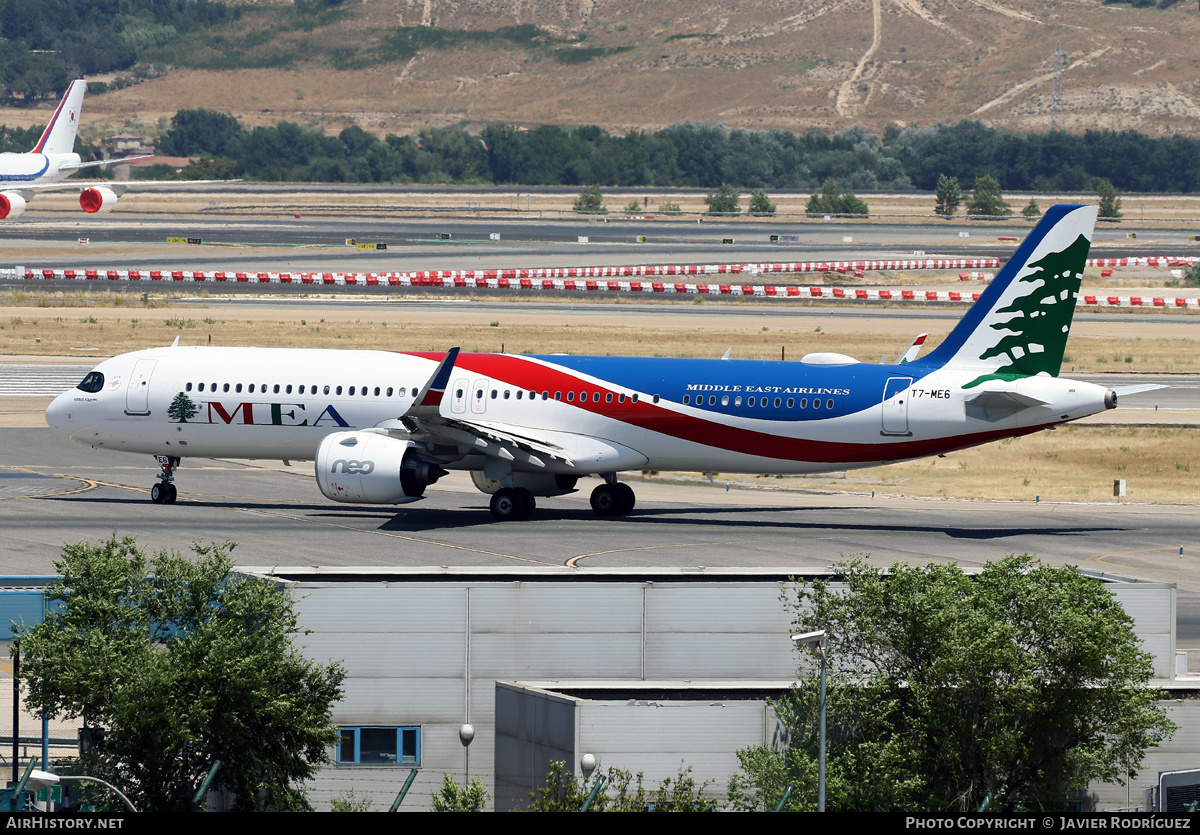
[59, 135]
[1020, 324]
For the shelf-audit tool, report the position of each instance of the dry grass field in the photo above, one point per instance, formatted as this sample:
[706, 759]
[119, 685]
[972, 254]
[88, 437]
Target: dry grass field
[1160, 465]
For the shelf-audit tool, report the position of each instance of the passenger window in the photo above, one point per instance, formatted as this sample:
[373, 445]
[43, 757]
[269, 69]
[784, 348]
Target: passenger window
[724, 400]
[225, 387]
[608, 397]
[520, 394]
[479, 394]
[289, 388]
[414, 392]
[364, 391]
[687, 398]
[506, 394]
[803, 402]
[188, 387]
[251, 388]
[816, 403]
[656, 398]
[558, 395]
[277, 389]
[751, 401]
[545, 395]
[326, 389]
[779, 402]
[494, 393]
[621, 398]
[238, 388]
[712, 400]
[595, 397]
[338, 390]
[458, 393]
[737, 401]
[389, 392]
[828, 404]
[376, 391]
[570, 397]
[791, 402]
[635, 398]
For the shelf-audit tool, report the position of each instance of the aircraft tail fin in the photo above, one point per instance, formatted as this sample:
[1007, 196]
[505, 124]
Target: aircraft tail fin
[59, 135]
[1019, 325]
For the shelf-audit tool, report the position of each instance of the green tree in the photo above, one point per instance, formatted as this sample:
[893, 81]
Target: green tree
[622, 792]
[590, 200]
[760, 203]
[948, 196]
[177, 664]
[831, 200]
[1021, 685]
[670, 208]
[1032, 210]
[724, 201]
[987, 200]
[181, 409]
[1110, 204]
[455, 798]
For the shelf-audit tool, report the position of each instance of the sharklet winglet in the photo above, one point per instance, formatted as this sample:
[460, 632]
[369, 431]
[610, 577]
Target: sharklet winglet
[429, 399]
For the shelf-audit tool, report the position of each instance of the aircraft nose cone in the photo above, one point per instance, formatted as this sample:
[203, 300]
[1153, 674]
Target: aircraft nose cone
[59, 414]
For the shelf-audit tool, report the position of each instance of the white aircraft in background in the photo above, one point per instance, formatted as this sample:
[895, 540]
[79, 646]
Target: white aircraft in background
[53, 159]
[383, 426]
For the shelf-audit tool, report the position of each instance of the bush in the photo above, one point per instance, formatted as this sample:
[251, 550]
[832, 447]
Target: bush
[760, 204]
[590, 201]
[724, 201]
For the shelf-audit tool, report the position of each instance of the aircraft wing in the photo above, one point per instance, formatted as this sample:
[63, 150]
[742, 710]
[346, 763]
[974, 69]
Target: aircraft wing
[102, 162]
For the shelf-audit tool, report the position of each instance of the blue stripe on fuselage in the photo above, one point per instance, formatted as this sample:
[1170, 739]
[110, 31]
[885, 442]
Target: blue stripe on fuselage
[852, 388]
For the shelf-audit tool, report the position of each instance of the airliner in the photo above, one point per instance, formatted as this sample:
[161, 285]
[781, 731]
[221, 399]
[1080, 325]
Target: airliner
[53, 159]
[383, 426]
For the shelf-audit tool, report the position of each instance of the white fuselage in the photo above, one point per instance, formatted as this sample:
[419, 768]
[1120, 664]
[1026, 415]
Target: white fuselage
[623, 414]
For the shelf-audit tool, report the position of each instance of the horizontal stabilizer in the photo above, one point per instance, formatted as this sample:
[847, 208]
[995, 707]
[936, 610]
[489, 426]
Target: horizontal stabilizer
[1125, 391]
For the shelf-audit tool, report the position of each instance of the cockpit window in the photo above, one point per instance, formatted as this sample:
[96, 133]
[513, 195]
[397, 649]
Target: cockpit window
[92, 383]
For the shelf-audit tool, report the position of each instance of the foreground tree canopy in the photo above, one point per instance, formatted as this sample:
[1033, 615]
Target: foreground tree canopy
[180, 663]
[1014, 688]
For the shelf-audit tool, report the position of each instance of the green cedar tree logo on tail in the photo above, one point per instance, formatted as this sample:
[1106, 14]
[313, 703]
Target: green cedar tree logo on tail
[1037, 332]
[181, 409]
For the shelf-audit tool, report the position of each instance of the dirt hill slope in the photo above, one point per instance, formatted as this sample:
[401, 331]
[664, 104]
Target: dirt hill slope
[744, 63]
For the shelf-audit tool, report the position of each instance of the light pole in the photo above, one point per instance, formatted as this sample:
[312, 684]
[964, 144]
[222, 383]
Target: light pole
[38, 779]
[817, 641]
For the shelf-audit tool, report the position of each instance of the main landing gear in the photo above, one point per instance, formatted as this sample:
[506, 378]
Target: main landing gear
[614, 498]
[512, 504]
[164, 492]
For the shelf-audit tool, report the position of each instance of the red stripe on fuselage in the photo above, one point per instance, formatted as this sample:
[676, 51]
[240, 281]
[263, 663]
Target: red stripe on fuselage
[521, 372]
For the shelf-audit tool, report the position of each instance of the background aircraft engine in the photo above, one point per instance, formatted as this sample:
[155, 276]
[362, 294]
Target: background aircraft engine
[540, 484]
[372, 469]
[11, 205]
[97, 200]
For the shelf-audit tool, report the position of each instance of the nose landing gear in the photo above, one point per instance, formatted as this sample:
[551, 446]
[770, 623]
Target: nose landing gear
[164, 492]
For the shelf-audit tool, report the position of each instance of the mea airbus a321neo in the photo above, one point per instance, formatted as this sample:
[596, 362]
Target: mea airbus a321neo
[383, 426]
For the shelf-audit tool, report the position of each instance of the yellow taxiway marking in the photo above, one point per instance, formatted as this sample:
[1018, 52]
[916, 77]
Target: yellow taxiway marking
[1101, 558]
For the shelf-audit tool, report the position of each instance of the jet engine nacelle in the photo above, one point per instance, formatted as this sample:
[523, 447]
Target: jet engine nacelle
[97, 200]
[369, 468]
[540, 484]
[11, 205]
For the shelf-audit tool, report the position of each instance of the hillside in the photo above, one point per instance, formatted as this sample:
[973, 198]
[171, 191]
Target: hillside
[637, 64]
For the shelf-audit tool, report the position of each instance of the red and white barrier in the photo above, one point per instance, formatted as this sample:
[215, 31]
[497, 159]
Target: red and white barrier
[1148, 261]
[587, 279]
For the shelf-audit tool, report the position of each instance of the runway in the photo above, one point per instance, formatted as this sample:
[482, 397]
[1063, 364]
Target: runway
[53, 493]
